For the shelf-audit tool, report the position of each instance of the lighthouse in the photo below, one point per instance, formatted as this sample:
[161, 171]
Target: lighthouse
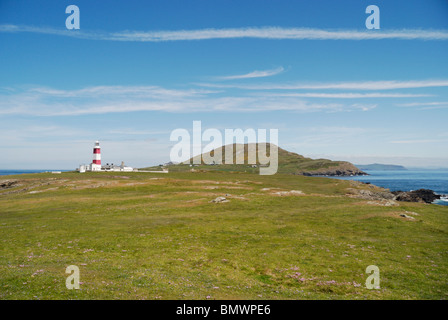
[96, 163]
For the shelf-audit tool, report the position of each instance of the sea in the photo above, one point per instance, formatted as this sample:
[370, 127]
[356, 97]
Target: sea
[17, 171]
[408, 180]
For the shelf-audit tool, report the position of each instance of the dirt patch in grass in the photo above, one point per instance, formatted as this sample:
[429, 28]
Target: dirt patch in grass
[390, 214]
[380, 203]
[287, 193]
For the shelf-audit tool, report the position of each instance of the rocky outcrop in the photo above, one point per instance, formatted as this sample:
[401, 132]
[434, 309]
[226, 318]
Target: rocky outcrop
[421, 195]
[219, 200]
[377, 194]
[336, 173]
[380, 194]
[406, 216]
[6, 184]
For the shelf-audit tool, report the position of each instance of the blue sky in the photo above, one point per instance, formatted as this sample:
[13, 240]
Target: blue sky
[137, 70]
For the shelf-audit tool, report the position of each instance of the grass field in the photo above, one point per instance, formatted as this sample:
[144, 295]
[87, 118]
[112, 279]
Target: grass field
[158, 236]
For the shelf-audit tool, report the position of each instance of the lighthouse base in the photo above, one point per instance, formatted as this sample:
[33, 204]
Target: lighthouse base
[95, 167]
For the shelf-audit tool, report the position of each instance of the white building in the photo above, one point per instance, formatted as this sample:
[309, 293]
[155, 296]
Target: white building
[96, 163]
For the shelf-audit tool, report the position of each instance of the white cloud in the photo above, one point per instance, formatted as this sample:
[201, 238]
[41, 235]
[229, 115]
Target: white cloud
[135, 91]
[360, 85]
[254, 74]
[103, 99]
[430, 105]
[236, 33]
[347, 95]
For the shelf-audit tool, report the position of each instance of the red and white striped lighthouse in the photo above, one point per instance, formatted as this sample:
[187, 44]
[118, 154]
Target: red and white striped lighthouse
[96, 164]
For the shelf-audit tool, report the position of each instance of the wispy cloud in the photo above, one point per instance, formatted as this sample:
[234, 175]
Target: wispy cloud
[421, 104]
[426, 105]
[254, 74]
[360, 85]
[347, 95]
[274, 33]
[119, 99]
[119, 91]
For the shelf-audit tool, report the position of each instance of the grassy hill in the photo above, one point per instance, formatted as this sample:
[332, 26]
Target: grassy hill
[159, 236]
[288, 162]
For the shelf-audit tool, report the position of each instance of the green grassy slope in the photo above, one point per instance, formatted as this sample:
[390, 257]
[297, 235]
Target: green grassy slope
[288, 162]
[157, 236]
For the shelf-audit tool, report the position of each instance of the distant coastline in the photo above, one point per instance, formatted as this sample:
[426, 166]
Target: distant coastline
[380, 167]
